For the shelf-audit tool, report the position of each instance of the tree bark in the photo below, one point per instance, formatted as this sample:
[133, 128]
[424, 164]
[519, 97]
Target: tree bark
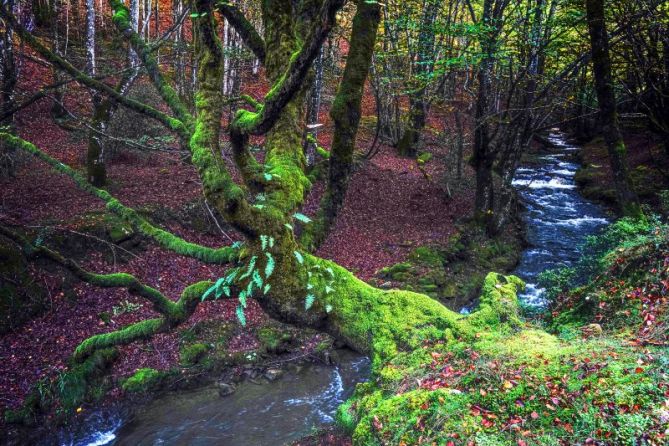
[601, 61]
[422, 67]
[345, 113]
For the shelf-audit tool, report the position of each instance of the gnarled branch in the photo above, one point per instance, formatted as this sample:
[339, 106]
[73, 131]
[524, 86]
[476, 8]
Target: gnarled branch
[172, 313]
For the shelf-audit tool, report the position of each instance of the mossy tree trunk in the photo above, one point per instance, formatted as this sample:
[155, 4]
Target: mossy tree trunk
[346, 113]
[8, 82]
[601, 64]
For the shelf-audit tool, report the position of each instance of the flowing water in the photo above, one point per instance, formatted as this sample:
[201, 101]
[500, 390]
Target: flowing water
[256, 414]
[557, 217]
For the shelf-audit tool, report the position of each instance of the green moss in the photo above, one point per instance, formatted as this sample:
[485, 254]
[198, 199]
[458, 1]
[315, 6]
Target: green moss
[273, 338]
[427, 255]
[143, 380]
[193, 353]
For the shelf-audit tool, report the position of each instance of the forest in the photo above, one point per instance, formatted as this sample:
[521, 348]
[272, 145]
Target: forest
[334, 223]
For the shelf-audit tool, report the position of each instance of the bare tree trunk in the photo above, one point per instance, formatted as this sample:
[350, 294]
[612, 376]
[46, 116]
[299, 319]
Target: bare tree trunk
[58, 111]
[95, 155]
[8, 82]
[601, 62]
[422, 67]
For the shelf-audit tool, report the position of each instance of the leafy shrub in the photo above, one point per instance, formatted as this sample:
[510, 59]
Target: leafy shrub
[599, 253]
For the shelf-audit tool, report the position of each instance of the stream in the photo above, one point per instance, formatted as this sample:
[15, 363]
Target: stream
[268, 413]
[557, 218]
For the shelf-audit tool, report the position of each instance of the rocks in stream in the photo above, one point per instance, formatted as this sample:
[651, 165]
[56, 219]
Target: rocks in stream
[226, 388]
[273, 374]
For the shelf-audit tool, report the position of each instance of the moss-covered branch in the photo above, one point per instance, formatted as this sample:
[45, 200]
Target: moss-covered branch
[259, 123]
[173, 313]
[168, 121]
[244, 29]
[121, 19]
[163, 238]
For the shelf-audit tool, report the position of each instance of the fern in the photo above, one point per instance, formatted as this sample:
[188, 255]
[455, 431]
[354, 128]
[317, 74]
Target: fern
[301, 217]
[241, 316]
[266, 289]
[269, 268]
[263, 242]
[257, 279]
[309, 301]
[242, 298]
[252, 265]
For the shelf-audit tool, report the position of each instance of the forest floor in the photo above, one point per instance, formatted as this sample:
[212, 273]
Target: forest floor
[391, 208]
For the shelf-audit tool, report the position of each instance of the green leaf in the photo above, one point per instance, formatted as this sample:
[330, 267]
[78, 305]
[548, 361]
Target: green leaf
[328, 308]
[208, 292]
[267, 176]
[309, 301]
[266, 289]
[231, 276]
[242, 298]
[299, 257]
[241, 316]
[288, 225]
[271, 242]
[269, 268]
[257, 279]
[329, 270]
[263, 241]
[301, 217]
[328, 289]
[252, 265]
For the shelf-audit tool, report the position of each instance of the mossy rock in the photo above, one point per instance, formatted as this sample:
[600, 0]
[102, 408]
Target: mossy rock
[275, 339]
[427, 256]
[21, 298]
[389, 271]
[192, 354]
[143, 380]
